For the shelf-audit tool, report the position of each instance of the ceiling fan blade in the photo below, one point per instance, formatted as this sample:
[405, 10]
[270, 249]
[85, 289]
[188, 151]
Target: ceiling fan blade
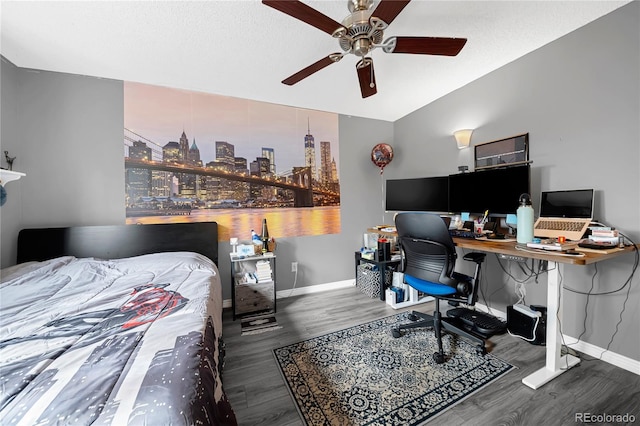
[387, 10]
[315, 67]
[427, 45]
[367, 77]
[305, 13]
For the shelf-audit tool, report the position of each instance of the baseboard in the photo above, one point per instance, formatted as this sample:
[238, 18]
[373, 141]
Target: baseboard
[315, 288]
[304, 290]
[609, 357]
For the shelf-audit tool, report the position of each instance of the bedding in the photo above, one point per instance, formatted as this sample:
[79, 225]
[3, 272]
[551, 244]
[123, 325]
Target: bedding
[112, 342]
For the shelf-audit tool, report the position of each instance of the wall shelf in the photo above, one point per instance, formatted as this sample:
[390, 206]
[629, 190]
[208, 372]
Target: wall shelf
[9, 175]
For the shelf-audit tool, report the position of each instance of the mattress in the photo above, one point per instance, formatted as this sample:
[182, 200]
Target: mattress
[112, 342]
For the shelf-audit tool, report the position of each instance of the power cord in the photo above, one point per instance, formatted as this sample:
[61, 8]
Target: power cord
[624, 304]
[586, 305]
[564, 344]
[529, 272]
[628, 281]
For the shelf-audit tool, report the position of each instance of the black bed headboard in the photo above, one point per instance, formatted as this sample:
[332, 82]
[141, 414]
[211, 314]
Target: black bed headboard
[118, 241]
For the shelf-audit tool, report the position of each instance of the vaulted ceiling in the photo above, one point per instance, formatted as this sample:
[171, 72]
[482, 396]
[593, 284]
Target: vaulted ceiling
[245, 49]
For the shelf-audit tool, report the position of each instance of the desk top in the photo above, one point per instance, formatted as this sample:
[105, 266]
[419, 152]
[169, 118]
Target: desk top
[514, 249]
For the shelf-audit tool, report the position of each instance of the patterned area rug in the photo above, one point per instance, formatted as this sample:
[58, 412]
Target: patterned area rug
[362, 375]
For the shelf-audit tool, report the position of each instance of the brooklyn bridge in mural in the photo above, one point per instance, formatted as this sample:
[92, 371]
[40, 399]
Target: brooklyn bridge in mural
[172, 179]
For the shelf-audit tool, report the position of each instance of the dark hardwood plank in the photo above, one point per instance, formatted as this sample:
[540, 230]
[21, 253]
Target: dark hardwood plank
[259, 396]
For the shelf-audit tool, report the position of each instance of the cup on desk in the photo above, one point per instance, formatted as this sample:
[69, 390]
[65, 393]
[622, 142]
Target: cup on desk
[478, 227]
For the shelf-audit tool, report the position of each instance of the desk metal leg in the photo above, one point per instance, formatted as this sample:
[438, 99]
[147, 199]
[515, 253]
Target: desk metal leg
[555, 364]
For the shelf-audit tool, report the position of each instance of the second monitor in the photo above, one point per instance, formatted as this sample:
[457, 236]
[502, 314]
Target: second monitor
[497, 190]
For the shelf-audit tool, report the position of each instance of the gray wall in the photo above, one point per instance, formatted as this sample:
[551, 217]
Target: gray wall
[579, 100]
[576, 97]
[10, 213]
[66, 131]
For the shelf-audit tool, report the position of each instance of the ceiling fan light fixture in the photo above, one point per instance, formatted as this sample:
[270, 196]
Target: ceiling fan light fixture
[361, 47]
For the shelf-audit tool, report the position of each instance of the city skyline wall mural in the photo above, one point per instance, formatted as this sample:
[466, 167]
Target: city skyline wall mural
[196, 157]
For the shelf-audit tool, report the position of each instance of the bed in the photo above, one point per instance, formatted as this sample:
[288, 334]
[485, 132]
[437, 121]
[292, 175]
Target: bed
[113, 325]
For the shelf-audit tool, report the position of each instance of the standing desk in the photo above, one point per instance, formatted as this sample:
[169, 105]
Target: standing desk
[555, 363]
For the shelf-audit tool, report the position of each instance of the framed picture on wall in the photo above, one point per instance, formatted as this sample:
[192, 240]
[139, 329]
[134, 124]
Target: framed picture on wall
[502, 152]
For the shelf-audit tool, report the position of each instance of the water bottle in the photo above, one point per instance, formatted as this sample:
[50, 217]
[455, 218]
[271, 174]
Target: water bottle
[524, 220]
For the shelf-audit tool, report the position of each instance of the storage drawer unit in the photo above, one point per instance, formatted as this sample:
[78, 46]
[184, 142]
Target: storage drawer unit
[253, 285]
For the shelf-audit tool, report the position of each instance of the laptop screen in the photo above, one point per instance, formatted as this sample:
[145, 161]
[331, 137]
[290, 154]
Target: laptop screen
[576, 204]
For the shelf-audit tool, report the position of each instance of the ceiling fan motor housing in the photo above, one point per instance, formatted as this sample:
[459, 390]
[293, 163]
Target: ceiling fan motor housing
[355, 5]
[359, 37]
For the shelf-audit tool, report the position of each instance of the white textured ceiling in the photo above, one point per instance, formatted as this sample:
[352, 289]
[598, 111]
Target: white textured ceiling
[245, 49]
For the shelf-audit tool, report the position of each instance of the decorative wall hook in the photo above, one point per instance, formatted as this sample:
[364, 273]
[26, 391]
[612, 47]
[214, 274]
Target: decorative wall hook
[9, 159]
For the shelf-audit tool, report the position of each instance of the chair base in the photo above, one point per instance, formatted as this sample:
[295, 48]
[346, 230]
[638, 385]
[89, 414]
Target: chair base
[450, 325]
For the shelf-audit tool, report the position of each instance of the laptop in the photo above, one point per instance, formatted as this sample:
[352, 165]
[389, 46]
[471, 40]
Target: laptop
[564, 213]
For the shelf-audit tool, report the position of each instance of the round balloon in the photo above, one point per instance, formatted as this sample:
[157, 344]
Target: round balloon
[381, 155]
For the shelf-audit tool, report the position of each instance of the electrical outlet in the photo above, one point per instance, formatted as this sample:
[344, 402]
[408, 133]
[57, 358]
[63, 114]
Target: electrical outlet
[294, 266]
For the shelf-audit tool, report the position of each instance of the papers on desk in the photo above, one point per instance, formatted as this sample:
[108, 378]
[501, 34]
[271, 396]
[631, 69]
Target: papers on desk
[496, 240]
[553, 245]
[384, 228]
[568, 253]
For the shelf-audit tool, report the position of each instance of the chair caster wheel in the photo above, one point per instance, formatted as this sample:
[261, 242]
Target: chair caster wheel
[413, 317]
[438, 358]
[395, 333]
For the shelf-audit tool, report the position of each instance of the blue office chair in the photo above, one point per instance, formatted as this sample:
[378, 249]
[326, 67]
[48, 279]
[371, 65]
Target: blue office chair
[428, 260]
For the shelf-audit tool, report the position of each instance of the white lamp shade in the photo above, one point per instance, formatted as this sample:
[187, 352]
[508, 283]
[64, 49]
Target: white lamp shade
[463, 137]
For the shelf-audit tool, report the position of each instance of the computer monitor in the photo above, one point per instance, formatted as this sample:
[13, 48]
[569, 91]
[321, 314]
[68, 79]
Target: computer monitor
[577, 204]
[496, 190]
[418, 194]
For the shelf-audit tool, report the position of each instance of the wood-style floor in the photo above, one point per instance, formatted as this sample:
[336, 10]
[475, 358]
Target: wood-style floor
[259, 396]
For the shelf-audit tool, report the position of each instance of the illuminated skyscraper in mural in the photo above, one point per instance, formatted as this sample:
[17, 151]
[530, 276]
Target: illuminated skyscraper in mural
[325, 162]
[184, 147]
[225, 153]
[225, 160]
[310, 152]
[138, 181]
[193, 156]
[270, 154]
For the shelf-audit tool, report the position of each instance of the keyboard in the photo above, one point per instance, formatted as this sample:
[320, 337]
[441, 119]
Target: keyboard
[571, 229]
[461, 233]
[557, 225]
[485, 324]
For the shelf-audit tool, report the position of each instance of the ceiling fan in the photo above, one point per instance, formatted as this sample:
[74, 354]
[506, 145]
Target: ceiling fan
[360, 33]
